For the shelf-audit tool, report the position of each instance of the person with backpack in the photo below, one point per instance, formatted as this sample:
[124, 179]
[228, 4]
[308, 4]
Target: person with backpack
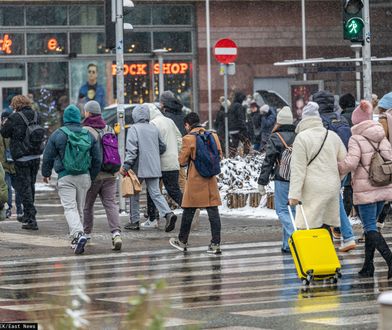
[75, 155]
[276, 165]
[337, 123]
[9, 168]
[369, 158]
[105, 184]
[172, 138]
[142, 154]
[201, 152]
[27, 139]
[314, 178]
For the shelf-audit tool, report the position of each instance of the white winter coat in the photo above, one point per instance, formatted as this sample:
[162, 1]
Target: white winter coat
[316, 185]
[170, 135]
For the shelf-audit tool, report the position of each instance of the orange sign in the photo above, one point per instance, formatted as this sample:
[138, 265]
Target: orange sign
[172, 68]
[52, 44]
[5, 44]
[140, 69]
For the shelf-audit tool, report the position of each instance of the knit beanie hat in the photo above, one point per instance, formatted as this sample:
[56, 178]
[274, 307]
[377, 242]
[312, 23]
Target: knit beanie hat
[386, 101]
[310, 110]
[347, 101]
[166, 97]
[285, 116]
[72, 114]
[92, 107]
[362, 112]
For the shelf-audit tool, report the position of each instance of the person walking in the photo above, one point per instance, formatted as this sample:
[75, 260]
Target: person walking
[74, 154]
[172, 108]
[314, 177]
[333, 121]
[143, 149]
[200, 192]
[255, 119]
[20, 127]
[237, 126]
[281, 139]
[9, 169]
[170, 167]
[368, 136]
[105, 184]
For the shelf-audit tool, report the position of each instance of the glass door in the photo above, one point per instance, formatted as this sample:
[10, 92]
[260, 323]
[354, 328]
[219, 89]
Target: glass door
[8, 89]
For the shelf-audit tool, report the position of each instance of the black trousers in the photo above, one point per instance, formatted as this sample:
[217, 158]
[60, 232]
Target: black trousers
[213, 217]
[170, 181]
[234, 141]
[25, 178]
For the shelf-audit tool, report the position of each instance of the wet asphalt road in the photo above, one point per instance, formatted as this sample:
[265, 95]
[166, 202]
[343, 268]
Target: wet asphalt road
[250, 286]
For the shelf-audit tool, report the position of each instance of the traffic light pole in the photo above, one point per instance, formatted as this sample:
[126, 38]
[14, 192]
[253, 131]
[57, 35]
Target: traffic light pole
[366, 54]
[120, 86]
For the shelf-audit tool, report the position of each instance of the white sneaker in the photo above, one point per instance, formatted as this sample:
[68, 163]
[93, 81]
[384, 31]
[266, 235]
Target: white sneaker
[348, 246]
[149, 224]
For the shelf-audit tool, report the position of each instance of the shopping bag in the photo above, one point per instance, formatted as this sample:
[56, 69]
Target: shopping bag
[130, 184]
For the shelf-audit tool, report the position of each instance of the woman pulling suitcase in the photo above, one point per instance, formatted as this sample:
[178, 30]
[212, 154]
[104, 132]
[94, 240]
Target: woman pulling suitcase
[367, 137]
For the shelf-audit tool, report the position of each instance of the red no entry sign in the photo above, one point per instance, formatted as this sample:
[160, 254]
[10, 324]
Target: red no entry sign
[225, 51]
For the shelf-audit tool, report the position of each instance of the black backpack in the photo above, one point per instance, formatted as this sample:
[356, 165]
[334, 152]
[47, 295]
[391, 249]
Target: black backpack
[34, 141]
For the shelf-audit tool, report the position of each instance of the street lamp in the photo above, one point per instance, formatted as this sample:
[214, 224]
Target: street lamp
[159, 53]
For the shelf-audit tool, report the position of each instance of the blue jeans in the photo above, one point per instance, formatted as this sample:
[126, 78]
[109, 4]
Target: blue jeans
[345, 226]
[369, 214]
[10, 180]
[281, 199]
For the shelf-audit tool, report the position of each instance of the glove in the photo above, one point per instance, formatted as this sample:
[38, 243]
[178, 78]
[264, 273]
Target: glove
[261, 189]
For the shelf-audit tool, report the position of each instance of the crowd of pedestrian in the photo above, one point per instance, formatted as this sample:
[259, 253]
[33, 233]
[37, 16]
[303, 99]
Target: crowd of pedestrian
[336, 160]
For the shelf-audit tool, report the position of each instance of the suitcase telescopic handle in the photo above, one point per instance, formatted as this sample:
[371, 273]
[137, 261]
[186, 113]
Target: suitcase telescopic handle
[303, 214]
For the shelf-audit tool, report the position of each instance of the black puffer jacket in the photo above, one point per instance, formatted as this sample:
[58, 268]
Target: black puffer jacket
[15, 129]
[347, 113]
[173, 110]
[326, 102]
[275, 148]
[236, 114]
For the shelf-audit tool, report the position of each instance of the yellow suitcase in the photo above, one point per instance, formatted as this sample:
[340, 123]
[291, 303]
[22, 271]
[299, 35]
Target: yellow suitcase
[313, 252]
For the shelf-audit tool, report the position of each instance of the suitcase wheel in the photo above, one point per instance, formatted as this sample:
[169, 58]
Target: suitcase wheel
[309, 277]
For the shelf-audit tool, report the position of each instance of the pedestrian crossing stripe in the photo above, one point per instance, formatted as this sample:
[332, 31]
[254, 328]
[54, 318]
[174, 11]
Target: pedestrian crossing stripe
[250, 280]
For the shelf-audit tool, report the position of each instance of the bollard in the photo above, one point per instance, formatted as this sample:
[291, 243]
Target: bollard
[385, 301]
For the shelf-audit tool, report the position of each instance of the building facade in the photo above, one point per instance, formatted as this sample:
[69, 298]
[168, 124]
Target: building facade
[46, 47]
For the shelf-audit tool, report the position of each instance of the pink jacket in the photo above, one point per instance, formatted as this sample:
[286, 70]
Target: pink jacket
[359, 155]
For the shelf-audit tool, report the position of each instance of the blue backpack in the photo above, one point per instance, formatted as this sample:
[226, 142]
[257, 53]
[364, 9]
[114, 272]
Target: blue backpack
[207, 161]
[340, 126]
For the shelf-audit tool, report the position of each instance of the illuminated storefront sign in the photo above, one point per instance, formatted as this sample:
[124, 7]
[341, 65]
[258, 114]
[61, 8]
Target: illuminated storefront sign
[52, 44]
[5, 44]
[140, 69]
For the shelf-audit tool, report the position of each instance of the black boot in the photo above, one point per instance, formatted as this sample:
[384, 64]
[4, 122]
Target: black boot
[368, 266]
[383, 248]
[30, 225]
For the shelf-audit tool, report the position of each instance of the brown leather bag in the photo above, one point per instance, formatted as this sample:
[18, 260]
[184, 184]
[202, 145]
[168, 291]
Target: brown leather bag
[130, 184]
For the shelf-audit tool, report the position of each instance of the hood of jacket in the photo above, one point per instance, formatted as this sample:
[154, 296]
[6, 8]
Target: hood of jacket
[239, 97]
[307, 123]
[154, 111]
[141, 113]
[325, 100]
[370, 130]
[174, 106]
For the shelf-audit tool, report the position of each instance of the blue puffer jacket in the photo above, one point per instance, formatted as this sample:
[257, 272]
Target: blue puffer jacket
[55, 148]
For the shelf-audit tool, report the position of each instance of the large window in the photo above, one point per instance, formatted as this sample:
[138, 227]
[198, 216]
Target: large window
[11, 16]
[86, 15]
[48, 84]
[46, 15]
[137, 42]
[171, 15]
[12, 71]
[87, 43]
[175, 42]
[47, 43]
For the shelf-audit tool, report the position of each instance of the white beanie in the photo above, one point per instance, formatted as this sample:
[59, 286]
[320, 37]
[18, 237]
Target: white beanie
[285, 116]
[310, 110]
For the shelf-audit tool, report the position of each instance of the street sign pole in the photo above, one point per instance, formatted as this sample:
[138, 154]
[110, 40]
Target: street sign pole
[120, 88]
[226, 111]
[366, 54]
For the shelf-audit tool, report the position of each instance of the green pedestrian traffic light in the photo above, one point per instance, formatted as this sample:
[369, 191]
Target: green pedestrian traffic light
[353, 23]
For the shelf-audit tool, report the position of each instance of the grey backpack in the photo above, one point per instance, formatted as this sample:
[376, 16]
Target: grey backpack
[380, 170]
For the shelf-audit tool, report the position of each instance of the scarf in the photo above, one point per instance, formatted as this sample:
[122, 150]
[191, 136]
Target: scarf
[94, 122]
